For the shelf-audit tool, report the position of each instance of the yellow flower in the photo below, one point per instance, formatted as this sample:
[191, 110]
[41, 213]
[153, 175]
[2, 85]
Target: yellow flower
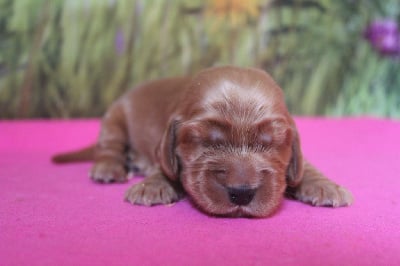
[236, 11]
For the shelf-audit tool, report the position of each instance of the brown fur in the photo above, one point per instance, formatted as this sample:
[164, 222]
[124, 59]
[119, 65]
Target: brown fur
[224, 136]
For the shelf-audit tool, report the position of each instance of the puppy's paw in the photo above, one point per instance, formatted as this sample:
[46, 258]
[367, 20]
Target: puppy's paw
[152, 191]
[108, 172]
[323, 193]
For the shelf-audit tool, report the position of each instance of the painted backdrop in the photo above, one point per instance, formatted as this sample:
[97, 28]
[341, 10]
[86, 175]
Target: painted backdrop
[71, 58]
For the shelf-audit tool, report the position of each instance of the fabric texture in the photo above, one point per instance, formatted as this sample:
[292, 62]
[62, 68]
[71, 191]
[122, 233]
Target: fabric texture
[54, 215]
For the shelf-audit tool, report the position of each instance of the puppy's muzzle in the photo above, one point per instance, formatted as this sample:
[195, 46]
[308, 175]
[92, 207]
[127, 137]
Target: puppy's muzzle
[241, 196]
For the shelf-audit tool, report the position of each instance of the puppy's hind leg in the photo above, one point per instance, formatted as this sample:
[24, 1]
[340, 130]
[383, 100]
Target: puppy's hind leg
[318, 190]
[110, 154]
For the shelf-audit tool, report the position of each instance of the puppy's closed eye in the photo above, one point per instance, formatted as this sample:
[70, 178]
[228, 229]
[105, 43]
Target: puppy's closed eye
[264, 139]
[210, 133]
[273, 132]
[266, 171]
[219, 173]
[215, 136]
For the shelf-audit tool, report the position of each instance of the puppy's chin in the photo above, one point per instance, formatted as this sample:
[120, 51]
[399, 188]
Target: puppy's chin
[213, 199]
[247, 212]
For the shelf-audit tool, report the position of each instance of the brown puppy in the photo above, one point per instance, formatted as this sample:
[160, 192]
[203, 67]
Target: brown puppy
[224, 135]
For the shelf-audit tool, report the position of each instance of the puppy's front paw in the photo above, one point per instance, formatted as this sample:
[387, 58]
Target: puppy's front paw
[323, 193]
[152, 191]
[108, 171]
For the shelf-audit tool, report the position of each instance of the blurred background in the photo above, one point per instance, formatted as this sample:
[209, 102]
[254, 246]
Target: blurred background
[72, 58]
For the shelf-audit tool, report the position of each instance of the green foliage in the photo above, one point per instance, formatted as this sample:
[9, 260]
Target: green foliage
[63, 58]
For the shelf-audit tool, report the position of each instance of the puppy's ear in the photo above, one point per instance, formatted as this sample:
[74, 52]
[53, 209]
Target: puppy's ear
[166, 154]
[294, 171]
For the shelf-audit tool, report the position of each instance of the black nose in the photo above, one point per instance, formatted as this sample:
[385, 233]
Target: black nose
[241, 196]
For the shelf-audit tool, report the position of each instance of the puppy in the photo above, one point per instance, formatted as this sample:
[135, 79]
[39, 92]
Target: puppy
[223, 136]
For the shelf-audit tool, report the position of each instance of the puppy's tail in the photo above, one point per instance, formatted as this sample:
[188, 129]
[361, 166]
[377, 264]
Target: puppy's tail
[81, 155]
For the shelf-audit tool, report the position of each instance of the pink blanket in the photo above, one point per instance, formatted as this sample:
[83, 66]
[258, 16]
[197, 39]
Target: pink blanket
[54, 215]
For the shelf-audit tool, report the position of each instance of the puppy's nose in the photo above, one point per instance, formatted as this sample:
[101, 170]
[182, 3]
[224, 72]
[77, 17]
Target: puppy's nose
[241, 196]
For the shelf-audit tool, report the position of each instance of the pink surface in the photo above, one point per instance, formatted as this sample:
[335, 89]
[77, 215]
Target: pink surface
[53, 215]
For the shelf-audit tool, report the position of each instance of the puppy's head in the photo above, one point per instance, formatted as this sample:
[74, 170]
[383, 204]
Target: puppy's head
[236, 155]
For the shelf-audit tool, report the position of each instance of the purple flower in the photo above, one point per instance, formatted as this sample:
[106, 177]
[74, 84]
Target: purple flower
[119, 42]
[384, 36]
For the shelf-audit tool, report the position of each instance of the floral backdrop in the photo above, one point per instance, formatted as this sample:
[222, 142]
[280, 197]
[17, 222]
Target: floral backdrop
[71, 58]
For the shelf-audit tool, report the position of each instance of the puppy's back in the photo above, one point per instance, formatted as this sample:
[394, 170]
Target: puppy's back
[148, 108]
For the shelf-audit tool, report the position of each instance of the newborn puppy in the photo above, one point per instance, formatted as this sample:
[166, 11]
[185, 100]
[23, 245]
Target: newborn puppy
[224, 136]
